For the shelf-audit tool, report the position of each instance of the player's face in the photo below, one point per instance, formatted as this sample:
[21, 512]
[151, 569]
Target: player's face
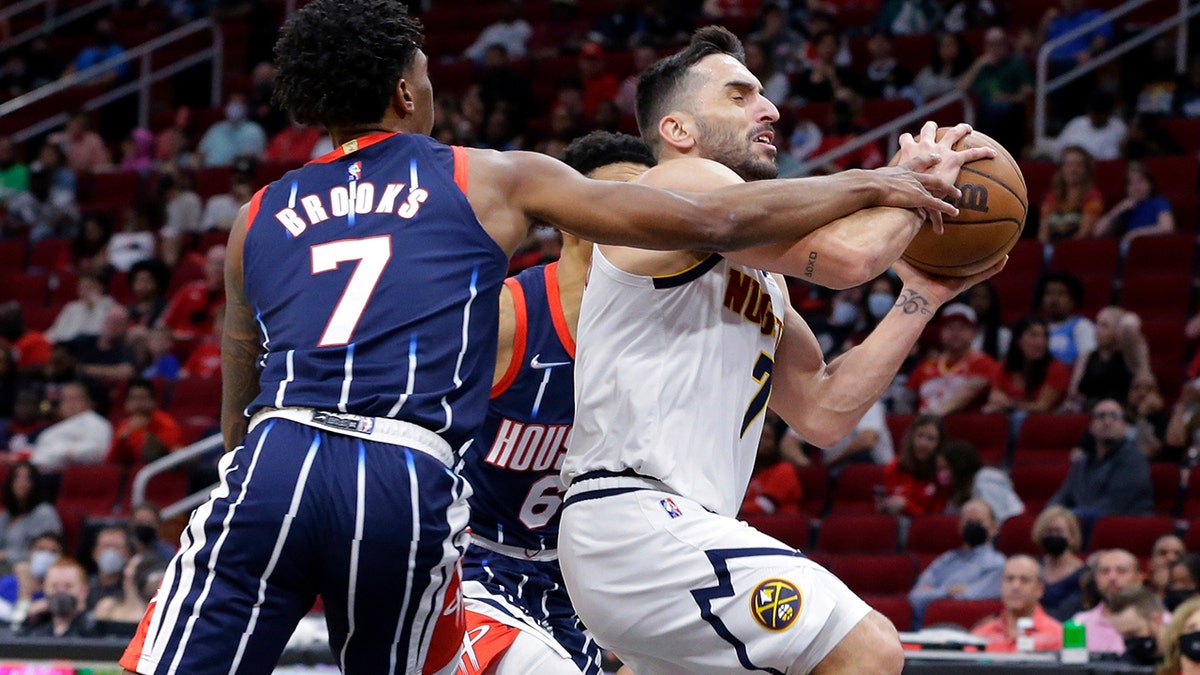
[421, 90]
[735, 121]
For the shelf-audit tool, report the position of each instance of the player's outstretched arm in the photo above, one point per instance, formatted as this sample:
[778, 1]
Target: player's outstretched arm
[240, 342]
[823, 402]
[509, 189]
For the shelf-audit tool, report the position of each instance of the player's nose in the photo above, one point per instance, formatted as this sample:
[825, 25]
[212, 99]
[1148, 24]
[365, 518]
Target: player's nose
[767, 112]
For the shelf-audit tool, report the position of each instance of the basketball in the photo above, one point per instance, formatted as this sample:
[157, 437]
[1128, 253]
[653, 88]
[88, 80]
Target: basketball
[991, 215]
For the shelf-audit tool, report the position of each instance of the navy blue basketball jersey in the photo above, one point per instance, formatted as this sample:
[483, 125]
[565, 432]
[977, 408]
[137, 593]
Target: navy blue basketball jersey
[514, 466]
[375, 286]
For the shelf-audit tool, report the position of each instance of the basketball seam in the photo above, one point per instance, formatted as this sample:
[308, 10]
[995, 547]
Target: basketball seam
[1023, 202]
[1007, 158]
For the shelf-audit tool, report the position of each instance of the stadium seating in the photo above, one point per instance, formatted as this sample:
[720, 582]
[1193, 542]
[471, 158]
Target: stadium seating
[855, 491]
[875, 533]
[895, 608]
[1048, 438]
[1016, 534]
[792, 529]
[963, 613]
[931, 535]
[1036, 483]
[875, 574]
[1135, 534]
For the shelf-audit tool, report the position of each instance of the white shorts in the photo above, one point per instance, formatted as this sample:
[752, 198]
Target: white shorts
[675, 589]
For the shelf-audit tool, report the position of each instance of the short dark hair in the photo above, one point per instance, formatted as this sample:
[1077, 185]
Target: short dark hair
[601, 148]
[1072, 282]
[157, 269]
[339, 60]
[141, 383]
[661, 83]
[1143, 600]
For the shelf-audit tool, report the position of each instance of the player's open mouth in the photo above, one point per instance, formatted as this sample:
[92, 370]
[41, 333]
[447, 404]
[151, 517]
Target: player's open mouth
[765, 138]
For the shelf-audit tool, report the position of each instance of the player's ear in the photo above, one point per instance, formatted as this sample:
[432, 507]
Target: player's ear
[402, 99]
[678, 131]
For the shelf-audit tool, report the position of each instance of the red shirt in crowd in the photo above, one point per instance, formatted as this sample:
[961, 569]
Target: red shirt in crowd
[775, 489]
[204, 361]
[191, 310]
[31, 350]
[921, 496]
[128, 442]
[293, 145]
[935, 380]
[1047, 633]
[1058, 378]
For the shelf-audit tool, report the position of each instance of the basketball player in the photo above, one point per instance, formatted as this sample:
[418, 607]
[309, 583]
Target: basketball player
[519, 617]
[360, 338]
[678, 355]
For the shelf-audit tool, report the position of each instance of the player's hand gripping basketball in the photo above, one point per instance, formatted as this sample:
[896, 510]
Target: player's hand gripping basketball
[933, 290]
[936, 162]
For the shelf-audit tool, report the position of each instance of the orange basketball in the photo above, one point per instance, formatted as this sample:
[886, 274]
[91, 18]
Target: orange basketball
[991, 215]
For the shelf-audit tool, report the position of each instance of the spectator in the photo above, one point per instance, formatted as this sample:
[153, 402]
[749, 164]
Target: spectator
[875, 301]
[780, 43]
[824, 80]
[1138, 616]
[155, 356]
[37, 212]
[1107, 371]
[147, 433]
[21, 591]
[1142, 212]
[500, 86]
[27, 513]
[774, 486]
[510, 31]
[293, 145]
[148, 281]
[140, 579]
[614, 28]
[1183, 429]
[205, 359]
[599, 83]
[144, 524]
[1167, 551]
[89, 247]
[761, 64]
[190, 312]
[173, 145]
[136, 241]
[972, 571]
[52, 159]
[108, 356]
[662, 24]
[643, 57]
[1112, 477]
[66, 613]
[910, 482]
[260, 104]
[86, 151]
[183, 210]
[83, 316]
[1031, 380]
[30, 347]
[220, 210]
[962, 473]
[1056, 531]
[81, 436]
[908, 17]
[137, 151]
[20, 432]
[993, 337]
[869, 443]
[969, 15]
[103, 48]
[1184, 582]
[957, 379]
[951, 58]
[1116, 570]
[1072, 14]
[843, 129]
[14, 175]
[563, 32]
[1145, 137]
[1020, 588]
[1074, 203]
[1071, 334]
[1150, 419]
[1100, 131]
[111, 550]
[235, 136]
[1181, 641]
[1003, 85]
[885, 77]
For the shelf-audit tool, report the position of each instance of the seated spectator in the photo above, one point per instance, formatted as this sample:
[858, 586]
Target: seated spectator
[599, 83]
[137, 152]
[1031, 380]
[1056, 531]
[1100, 131]
[1138, 616]
[1003, 85]
[81, 436]
[221, 210]
[824, 80]
[89, 246]
[144, 524]
[1074, 203]
[1068, 16]
[909, 17]
[292, 145]
[1166, 552]
[83, 316]
[147, 433]
[109, 355]
[1183, 429]
[510, 31]
[992, 337]
[780, 42]
[154, 354]
[869, 443]
[1184, 583]
[761, 63]
[21, 591]
[66, 613]
[27, 513]
[148, 280]
[136, 241]
[774, 486]
[173, 145]
[969, 479]
[910, 482]
[103, 48]
[957, 379]
[1116, 570]
[183, 210]
[233, 137]
[1059, 296]
[20, 432]
[1150, 419]
[1142, 212]
[190, 312]
[52, 159]
[972, 571]
[1020, 588]
[1181, 641]
[842, 129]
[111, 550]
[205, 359]
[563, 32]
[30, 347]
[86, 151]
[615, 27]
[885, 76]
[876, 299]
[140, 579]
[14, 174]
[951, 58]
[969, 15]
[37, 211]
[1112, 477]
[260, 101]
[1108, 370]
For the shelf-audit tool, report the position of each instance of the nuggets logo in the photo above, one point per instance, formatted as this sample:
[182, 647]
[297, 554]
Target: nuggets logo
[776, 604]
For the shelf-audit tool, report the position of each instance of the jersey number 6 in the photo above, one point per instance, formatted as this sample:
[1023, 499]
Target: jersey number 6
[372, 254]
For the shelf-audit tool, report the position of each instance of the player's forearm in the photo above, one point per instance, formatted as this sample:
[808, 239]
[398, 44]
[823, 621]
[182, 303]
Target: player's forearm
[239, 386]
[853, 249]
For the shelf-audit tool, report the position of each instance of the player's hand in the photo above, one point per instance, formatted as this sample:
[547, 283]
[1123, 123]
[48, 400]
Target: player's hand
[904, 188]
[939, 176]
[924, 293]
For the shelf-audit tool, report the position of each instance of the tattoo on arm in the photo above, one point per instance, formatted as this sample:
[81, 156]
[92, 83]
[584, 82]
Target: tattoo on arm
[240, 374]
[912, 302]
[811, 266]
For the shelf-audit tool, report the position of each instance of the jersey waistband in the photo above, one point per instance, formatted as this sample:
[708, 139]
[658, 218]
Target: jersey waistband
[611, 482]
[517, 552]
[382, 429]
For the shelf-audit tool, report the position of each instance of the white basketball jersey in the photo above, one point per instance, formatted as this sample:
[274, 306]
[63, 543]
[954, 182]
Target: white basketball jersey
[672, 376]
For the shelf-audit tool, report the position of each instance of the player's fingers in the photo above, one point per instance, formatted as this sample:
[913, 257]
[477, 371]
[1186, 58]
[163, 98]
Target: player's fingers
[988, 273]
[968, 156]
[906, 139]
[937, 205]
[929, 131]
[940, 187]
[955, 134]
[935, 219]
[923, 162]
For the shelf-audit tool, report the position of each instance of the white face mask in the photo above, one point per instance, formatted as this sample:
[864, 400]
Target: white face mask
[40, 562]
[844, 314]
[878, 304]
[110, 561]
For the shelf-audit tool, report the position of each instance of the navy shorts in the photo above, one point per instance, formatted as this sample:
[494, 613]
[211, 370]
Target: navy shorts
[376, 529]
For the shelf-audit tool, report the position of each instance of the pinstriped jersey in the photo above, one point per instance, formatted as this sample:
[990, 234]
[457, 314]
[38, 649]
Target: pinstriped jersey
[375, 287]
[673, 376]
[514, 466]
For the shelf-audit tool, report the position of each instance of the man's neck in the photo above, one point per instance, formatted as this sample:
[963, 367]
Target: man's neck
[1011, 617]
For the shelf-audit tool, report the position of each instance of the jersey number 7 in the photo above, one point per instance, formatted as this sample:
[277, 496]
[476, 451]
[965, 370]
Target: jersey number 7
[372, 254]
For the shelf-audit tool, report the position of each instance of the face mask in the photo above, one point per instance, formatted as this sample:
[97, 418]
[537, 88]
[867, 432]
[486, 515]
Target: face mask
[1174, 597]
[1189, 646]
[110, 561]
[1054, 544]
[235, 112]
[974, 534]
[61, 604]
[943, 477]
[843, 314]
[878, 304]
[40, 562]
[1141, 650]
